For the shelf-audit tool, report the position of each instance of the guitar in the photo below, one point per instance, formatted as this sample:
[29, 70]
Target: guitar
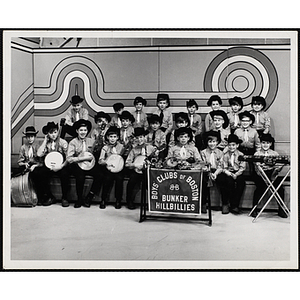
[115, 163]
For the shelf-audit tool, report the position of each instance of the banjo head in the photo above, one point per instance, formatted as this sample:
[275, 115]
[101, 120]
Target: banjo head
[87, 165]
[139, 163]
[54, 159]
[115, 163]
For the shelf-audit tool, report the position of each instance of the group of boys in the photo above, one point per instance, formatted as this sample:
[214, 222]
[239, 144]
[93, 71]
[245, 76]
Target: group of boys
[215, 148]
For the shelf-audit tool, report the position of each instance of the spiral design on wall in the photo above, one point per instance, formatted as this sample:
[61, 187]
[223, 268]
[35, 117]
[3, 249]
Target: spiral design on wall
[243, 72]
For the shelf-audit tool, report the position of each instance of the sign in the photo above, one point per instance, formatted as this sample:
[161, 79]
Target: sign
[174, 191]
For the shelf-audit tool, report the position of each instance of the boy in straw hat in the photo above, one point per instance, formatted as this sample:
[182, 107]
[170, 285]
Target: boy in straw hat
[53, 143]
[76, 113]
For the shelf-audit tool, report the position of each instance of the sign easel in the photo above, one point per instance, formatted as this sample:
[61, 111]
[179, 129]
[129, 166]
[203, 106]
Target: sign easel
[172, 194]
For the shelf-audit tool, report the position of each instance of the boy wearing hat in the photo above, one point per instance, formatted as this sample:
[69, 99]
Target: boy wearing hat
[52, 143]
[184, 150]
[213, 158]
[195, 122]
[118, 109]
[136, 176]
[221, 123]
[112, 146]
[270, 170]
[262, 120]
[231, 181]
[155, 136]
[247, 134]
[215, 103]
[127, 131]
[102, 120]
[76, 113]
[181, 120]
[77, 146]
[236, 104]
[28, 159]
[163, 110]
[138, 114]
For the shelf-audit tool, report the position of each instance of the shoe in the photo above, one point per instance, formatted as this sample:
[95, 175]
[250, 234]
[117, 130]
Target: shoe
[131, 206]
[118, 204]
[88, 199]
[77, 204]
[254, 214]
[282, 214]
[64, 203]
[203, 209]
[225, 209]
[47, 202]
[235, 211]
[102, 204]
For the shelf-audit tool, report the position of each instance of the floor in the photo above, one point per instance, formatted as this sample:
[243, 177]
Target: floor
[89, 234]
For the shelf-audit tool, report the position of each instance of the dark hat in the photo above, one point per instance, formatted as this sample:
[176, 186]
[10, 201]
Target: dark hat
[112, 130]
[236, 100]
[212, 133]
[118, 106]
[221, 113]
[247, 114]
[140, 100]
[233, 138]
[182, 116]
[183, 130]
[154, 118]
[127, 115]
[83, 122]
[266, 137]
[140, 131]
[30, 130]
[49, 126]
[214, 98]
[76, 99]
[191, 102]
[163, 97]
[102, 114]
[259, 99]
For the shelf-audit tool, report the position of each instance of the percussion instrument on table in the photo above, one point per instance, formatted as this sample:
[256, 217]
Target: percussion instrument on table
[89, 163]
[183, 164]
[22, 191]
[115, 163]
[269, 160]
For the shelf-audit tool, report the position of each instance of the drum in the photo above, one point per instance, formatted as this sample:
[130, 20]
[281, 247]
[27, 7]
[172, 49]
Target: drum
[53, 159]
[22, 191]
[115, 163]
[87, 165]
[139, 163]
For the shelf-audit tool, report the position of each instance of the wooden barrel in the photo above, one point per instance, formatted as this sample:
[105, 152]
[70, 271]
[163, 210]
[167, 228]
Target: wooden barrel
[22, 191]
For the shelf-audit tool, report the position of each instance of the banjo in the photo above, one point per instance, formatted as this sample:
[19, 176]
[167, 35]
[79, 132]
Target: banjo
[89, 163]
[140, 161]
[55, 158]
[115, 163]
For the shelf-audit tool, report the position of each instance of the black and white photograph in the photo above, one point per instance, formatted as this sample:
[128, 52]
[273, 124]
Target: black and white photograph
[150, 149]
